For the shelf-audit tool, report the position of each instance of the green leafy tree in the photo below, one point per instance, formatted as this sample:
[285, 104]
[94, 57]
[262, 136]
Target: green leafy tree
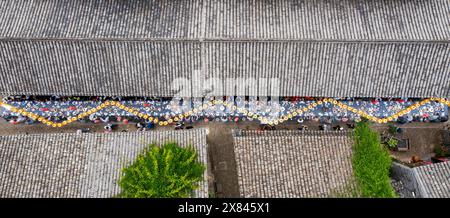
[169, 171]
[371, 164]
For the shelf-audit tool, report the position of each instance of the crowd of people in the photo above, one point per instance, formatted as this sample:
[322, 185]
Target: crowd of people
[58, 109]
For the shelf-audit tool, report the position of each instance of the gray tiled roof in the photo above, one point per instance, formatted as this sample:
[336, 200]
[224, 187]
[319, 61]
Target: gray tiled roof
[293, 163]
[433, 180]
[403, 181]
[229, 19]
[336, 69]
[428, 181]
[128, 68]
[84, 165]
[99, 19]
[327, 19]
[136, 48]
[148, 68]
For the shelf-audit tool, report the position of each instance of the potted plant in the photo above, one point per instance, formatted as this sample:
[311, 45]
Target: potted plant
[392, 143]
[393, 129]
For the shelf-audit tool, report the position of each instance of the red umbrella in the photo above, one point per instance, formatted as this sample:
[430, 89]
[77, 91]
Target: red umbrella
[295, 98]
[43, 109]
[146, 105]
[374, 101]
[72, 108]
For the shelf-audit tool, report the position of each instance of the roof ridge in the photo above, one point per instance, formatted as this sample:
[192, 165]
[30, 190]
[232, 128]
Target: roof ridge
[184, 131]
[206, 40]
[248, 133]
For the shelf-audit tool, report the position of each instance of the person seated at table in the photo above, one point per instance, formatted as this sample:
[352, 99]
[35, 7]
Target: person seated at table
[179, 125]
[267, 127]
[5, 115]
[350, 125]
[303, 128]
[434, 118]
[21, 119]
[108, 128]
[83, 120]
[85, 130]
[104, 119]
[30, 121]
[324, 127]
[149, 125]
[55, 98]
[140, 126]
[13, 121]
[338, 128]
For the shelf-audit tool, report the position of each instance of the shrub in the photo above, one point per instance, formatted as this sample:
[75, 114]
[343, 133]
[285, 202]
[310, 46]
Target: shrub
[392, 129]
[168, 171]
[392, 143]
[371, 163]
[439, 151]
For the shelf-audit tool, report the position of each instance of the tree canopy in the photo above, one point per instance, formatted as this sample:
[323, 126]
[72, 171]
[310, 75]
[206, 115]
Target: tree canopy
[371, 163]
[169, 171]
